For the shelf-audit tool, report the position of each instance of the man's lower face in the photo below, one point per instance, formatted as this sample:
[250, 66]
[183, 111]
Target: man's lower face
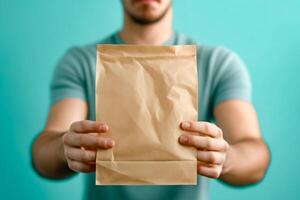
[146, 11]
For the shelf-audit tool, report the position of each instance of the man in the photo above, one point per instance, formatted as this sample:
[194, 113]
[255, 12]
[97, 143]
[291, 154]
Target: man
[233, 151]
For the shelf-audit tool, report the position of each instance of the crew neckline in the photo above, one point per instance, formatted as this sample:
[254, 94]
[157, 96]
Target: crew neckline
[172, 41]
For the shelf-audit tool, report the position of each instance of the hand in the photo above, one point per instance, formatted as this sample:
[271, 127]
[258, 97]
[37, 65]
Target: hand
[211, 147]
[81, 143]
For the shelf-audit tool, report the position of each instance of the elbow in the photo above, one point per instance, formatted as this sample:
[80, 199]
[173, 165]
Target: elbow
[262, 170]
[257, 177]
[37, 168]
[37, 159]
[34, 155]
[45, 162]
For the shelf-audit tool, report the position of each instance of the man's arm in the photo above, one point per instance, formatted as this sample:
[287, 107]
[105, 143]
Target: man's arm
[247, 157]
[68, 142]
[234, 151]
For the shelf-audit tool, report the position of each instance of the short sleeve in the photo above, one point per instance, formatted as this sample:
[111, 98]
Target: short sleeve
[232, 79]
[68, 79]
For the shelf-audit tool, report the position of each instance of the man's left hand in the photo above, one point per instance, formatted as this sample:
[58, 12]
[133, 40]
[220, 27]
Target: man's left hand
[210, 144]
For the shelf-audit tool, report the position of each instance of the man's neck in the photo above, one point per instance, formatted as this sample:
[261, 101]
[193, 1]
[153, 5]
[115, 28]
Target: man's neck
[152, 34]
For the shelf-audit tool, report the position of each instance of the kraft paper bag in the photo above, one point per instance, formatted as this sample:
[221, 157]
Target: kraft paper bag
[143, 93]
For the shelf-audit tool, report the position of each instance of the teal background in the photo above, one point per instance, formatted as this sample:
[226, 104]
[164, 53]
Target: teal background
[34, 34]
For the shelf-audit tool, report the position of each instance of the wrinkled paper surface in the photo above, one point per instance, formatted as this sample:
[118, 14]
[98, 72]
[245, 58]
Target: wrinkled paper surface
[143, 93]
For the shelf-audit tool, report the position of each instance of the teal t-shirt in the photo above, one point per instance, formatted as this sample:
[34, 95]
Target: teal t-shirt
[221, 76]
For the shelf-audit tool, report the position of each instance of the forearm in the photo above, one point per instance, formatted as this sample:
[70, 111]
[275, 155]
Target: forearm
[246, 162]
[48, 156]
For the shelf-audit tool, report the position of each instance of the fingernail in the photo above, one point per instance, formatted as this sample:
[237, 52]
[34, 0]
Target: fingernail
[109, 143]
[103, 127]
[185, 125]
[183, 139]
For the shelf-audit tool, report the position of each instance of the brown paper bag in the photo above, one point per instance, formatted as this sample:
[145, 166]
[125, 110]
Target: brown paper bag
[143, 93]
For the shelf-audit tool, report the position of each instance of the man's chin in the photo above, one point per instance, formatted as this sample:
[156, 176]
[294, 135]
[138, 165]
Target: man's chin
[144, 20]
[147, 17]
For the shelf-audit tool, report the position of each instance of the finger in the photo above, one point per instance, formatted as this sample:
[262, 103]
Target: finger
[204, 128]
[87, 140]
[88, 126]
[80, 166]
[211, 157]
[203, 142]
[80, 155]
[209, 171]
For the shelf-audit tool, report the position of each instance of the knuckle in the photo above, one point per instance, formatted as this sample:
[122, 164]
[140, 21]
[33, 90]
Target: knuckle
[67, 153]
[223, 158]
[220, 132]
[81, 140]
[78, 125]
[206, 127]
[75, 166]
[73, 125]
[209, 143]
[217, 131]
[226, 146]
[194, 141]
[82, 168]
[193, 124]
[86, 156]
[71, 165]
[65, 138]
[212, 158]
[215, 174]
[81, 125]
[199, 155]
[84, 123]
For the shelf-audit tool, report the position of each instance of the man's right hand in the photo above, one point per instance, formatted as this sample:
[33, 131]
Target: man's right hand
[81, 143]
